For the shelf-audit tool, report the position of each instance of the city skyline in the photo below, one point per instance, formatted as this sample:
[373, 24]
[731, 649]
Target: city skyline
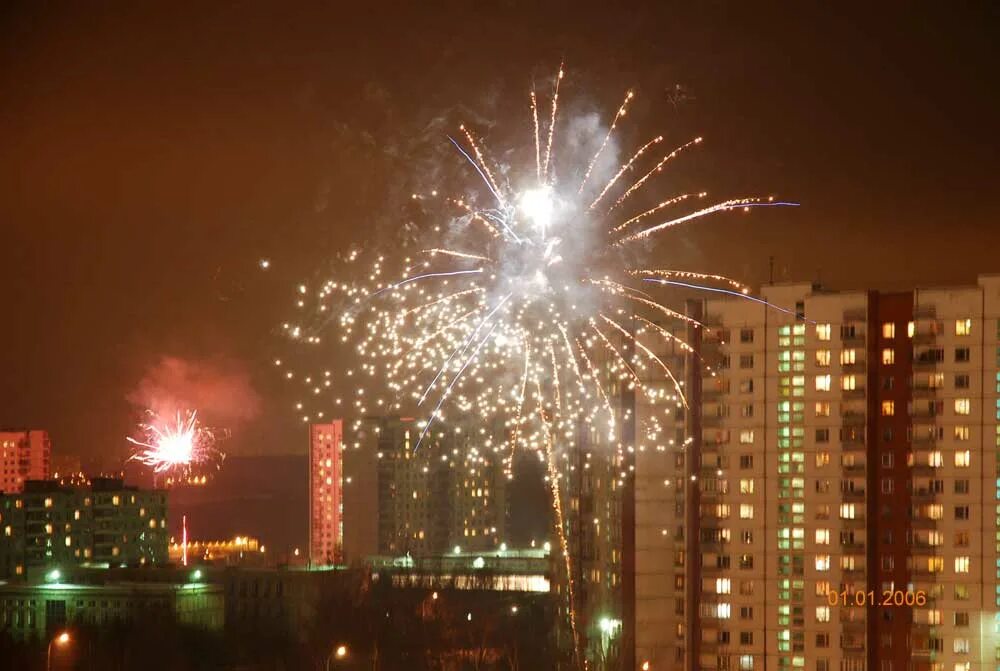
[451, 336]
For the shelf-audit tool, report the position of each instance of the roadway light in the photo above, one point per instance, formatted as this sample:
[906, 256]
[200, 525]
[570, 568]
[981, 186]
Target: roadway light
[61, 640]
[341, 652]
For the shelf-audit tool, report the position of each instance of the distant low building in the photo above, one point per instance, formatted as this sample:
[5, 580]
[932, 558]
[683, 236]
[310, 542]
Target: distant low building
[24, 455]
[98, 521]
[34, 610]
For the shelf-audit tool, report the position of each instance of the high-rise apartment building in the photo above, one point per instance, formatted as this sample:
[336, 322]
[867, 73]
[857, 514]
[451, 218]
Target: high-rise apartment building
[326, 500]
[24, 455]
[49, 525]
[833, 505]
[399, 499]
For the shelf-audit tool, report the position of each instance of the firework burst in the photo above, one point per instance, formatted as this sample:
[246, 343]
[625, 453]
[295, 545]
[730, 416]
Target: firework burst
[527, 306]
[526, 297]
[174, 446]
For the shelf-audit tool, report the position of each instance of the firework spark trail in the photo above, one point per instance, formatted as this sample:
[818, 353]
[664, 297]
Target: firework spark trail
[450, 273]
[667, 335]
[656, 208]
[449, 297]
[557, 397]
[738, 294]
[617, 354]
[461, 255]
[673, 314]
[538, 145]
[552, 124]
[427, 338]
[614, 123]
[652, 355]
[475, 165]
[597, 383]
[451, 385]
[689, 274]
[464, 347]
[520, 408]
[724, 206]
[559, 521]
[480, 158]
[572, 357]
[625, 168]
[657, 168]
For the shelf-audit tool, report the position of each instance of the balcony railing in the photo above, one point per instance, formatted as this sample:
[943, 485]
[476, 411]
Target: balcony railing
[853, 417]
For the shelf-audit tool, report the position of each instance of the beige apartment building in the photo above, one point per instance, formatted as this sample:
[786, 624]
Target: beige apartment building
[828, 499]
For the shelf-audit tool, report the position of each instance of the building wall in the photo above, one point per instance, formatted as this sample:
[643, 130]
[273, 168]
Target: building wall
[24, 455]
[50, 525]
[34, 611]
[852, 449]
[326, 502]
[451, 492]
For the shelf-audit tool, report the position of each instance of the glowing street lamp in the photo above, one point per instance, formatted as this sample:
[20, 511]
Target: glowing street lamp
[338, 653]
[60, 640]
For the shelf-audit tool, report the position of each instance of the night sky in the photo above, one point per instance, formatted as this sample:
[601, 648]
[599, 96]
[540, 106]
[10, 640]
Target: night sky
[150, 156]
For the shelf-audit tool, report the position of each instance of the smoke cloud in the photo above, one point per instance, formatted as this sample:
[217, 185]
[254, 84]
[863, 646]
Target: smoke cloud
[220, 390]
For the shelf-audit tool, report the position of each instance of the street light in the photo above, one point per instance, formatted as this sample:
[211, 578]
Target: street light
[340, 652]
[60, 640]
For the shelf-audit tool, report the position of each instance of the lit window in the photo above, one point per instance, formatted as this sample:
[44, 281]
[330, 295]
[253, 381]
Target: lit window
[746, 486]
[822, 383]
[724, 611]
[822, 562]
[822, 613]
[847, 511]
[961, 433]
[48, 503]
[888, 408]
[746, 436]
[823, 331]
[822, 458]
[746, 511]
[849, 383]
[723, 586]
[115, 500]
[823, 409]
[910, 328]
[962, 459]
[963, 327]
[963, 406]
[888, 330]
[962, 564]
[822, 537]
[822, 358]
[848, 357]
[888, 356]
